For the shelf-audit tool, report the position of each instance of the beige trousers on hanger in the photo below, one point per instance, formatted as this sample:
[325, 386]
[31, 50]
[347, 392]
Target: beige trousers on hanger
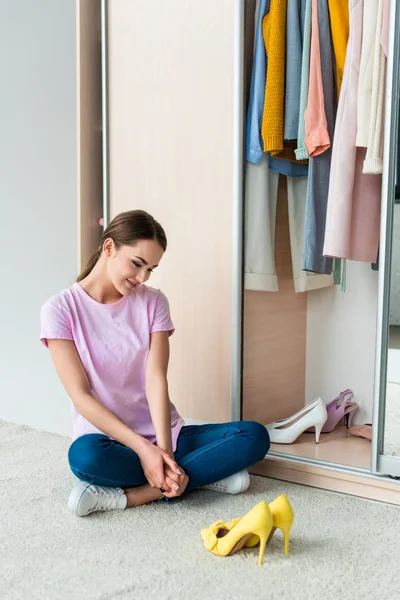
[261, 194]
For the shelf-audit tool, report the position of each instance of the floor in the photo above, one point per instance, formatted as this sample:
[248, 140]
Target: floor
[338, 447]
[341, 546]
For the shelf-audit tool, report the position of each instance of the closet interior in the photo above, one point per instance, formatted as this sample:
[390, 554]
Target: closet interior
[302, 345]
[163, 99]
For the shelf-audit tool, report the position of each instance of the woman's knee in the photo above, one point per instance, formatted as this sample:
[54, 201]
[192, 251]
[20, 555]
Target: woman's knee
[259, 439]
[85, 452]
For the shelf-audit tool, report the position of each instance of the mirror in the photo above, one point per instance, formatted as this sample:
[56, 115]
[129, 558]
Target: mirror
[386, 417]
[392, 410]
[392, 414]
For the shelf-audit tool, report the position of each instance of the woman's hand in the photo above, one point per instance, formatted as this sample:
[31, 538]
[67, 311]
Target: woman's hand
[154, 462]
[182, 482]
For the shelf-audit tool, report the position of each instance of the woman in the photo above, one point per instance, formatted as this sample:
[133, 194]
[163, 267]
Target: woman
[108, 336]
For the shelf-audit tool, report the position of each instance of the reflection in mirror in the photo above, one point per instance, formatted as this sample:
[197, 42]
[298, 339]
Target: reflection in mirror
[392, 417]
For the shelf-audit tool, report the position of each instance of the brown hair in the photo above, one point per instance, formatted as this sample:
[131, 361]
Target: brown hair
[128, 228]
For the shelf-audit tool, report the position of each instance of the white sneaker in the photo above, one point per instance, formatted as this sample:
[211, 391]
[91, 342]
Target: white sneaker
[86, 498]
[235, 484]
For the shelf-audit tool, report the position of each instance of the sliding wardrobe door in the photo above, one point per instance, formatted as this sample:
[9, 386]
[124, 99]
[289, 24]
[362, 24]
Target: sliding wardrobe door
[174, 87]
[386, 422]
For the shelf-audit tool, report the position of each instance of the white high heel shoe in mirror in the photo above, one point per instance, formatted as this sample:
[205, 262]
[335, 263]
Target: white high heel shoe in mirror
[288, 430]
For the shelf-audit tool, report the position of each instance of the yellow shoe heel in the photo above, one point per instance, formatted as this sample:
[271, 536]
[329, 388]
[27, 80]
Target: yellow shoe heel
[285, 528]
[263, 543]
[283, 517]
[223, 542]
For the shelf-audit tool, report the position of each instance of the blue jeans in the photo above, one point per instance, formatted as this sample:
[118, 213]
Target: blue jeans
[207, 453]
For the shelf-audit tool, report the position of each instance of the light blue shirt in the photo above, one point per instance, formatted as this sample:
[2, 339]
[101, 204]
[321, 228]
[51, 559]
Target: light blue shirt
[254, 142]
[287, 167]
[296, 10]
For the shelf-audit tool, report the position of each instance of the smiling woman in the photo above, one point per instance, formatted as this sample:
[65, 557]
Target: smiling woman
[125, 230]
[108, 336]
[119, 266]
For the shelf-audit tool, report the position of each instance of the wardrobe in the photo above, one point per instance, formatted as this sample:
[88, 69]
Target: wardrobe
[162, 92]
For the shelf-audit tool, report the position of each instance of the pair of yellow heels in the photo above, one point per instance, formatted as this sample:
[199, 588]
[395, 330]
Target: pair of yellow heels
[257, 526]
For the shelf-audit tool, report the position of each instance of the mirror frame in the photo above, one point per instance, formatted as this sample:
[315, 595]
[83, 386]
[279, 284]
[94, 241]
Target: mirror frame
[381, 463]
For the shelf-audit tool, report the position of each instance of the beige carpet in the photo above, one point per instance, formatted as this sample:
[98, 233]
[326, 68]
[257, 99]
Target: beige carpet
[341, 547]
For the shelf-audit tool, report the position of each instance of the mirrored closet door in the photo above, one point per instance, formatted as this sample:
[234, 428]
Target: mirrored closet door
[387, 417]
[307, 337]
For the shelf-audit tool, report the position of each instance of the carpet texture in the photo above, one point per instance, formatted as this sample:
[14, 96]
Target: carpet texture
[341, 547]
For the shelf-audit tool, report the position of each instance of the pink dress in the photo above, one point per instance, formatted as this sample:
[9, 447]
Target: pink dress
[353, 214]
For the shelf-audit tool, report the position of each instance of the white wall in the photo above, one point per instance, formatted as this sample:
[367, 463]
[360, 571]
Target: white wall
[38, 199]
[341, 335]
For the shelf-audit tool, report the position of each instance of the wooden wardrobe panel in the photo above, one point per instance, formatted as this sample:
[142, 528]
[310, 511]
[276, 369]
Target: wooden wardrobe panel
[171, 68]
[275, 336]
[90, 178]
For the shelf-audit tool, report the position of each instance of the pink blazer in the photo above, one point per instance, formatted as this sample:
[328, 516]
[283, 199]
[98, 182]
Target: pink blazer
[354, 200]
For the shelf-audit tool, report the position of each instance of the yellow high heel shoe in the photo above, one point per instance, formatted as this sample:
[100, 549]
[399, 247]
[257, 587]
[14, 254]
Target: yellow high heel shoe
[256, 524]
[283, 517]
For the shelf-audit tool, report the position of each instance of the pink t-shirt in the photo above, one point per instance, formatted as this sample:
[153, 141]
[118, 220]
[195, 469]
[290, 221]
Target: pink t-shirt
[112, 341]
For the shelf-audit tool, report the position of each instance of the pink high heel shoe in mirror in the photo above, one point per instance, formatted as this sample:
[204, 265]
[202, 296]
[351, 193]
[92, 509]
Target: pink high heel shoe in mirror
[339, 407]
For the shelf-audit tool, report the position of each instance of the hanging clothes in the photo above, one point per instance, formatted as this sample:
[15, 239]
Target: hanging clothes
[373, 162]
[352, 224]
[364, 91]
[339, 18]
[294, 43]
[384, 43]
[297, 202]
[385, 26]
[254, 141]
[260, 213]
[274, 33]
[319, 166]
[316, 137]
[274, 28]
[301, 151]
[261, 191]
[261, 185]
[288, 167]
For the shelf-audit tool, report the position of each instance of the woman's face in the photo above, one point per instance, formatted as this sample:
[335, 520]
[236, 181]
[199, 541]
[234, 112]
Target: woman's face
[130, 266]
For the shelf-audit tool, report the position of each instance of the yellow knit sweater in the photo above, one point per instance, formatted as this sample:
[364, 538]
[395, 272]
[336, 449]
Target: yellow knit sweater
[339, 18]
[274, 33]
